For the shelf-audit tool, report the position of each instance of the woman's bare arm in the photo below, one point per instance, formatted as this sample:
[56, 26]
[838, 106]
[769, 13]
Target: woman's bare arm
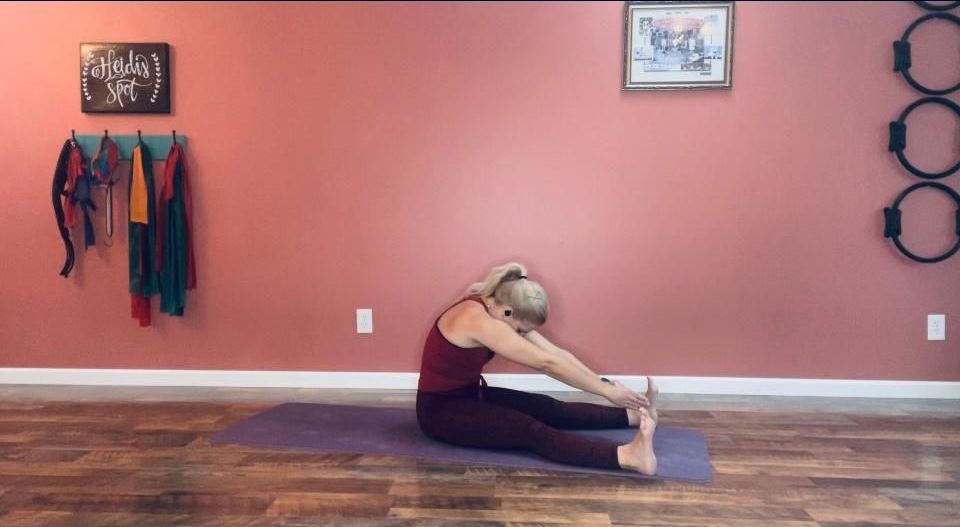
[499, 337]
[541, 342]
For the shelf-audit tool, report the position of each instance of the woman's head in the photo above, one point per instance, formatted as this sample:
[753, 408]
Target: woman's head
[509, 287]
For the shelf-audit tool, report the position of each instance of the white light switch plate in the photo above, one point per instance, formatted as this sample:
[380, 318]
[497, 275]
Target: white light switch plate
[936, 327]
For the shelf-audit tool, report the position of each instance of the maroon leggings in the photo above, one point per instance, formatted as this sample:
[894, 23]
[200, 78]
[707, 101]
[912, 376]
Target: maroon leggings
[507, 418]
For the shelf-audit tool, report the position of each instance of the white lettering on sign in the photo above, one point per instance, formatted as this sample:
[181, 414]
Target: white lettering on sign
[123, 75]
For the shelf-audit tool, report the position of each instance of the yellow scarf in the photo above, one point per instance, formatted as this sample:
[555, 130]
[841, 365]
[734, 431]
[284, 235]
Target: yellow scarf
[138, 191]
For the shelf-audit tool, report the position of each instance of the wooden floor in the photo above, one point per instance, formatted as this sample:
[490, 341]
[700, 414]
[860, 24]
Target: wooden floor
[75, 456]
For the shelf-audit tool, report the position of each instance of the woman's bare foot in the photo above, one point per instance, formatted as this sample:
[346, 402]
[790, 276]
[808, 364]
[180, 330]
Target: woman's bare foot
[638, 454]
[633, 416]
[652, 391]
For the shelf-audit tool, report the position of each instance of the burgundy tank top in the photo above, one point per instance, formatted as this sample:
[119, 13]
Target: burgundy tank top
[446, 366]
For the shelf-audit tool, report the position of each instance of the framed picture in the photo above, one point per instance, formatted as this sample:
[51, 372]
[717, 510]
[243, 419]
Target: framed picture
[122, 77]
[677, 45]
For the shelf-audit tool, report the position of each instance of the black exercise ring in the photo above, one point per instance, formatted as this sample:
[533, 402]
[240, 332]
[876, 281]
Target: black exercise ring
[892, 224]
[898, 137]
[936, 7]
[901, 54]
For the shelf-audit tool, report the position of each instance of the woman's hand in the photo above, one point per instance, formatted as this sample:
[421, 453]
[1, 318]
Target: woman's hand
[624, 397]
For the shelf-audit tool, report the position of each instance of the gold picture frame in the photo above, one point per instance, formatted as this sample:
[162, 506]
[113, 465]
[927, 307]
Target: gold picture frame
[678, 45]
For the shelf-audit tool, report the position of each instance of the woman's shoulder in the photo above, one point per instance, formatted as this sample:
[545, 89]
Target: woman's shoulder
[466, 311]
[467, 305]
[458, 323]
[475, 300]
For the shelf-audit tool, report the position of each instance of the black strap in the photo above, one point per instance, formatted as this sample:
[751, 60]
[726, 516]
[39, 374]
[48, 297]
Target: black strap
[936, 7]
[891, 220]
[898, 137]
[59, 183]
[892, 224]
[901, 54]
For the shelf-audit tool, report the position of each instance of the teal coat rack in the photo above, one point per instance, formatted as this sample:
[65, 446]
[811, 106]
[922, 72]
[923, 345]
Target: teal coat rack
[159, 145]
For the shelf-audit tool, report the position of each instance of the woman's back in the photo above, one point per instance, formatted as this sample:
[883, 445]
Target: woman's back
[446, 366]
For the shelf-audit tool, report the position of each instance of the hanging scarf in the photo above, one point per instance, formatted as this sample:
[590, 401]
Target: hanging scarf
[59, 190]
[78, 193]
[103, 166]
[174, 258]
[141, 234]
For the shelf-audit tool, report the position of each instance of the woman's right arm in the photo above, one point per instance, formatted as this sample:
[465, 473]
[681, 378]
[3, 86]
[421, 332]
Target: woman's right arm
[500, 338]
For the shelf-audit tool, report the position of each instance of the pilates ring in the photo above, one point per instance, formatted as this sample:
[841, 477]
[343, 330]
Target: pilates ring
[936, 7]
[901, 54]
[892, 230]
[898, 137]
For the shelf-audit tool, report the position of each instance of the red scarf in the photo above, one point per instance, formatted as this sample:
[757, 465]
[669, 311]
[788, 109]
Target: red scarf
[74, 173]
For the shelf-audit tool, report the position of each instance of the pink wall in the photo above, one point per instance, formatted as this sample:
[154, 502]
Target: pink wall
[384, 155]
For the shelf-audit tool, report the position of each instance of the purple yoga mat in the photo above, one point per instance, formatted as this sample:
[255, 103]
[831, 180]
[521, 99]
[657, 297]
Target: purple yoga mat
[681, 453]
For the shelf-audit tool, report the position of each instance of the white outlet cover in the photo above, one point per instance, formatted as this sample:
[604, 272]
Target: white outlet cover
[936, 327]
[365, 320]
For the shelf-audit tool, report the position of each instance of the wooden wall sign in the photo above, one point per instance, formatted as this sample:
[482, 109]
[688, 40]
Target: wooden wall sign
[122, 77]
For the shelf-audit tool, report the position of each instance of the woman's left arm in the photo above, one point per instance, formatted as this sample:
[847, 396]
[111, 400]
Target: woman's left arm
[541, 342]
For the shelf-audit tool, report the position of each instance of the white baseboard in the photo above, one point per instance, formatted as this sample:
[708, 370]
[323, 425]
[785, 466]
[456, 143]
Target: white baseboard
[532, 382]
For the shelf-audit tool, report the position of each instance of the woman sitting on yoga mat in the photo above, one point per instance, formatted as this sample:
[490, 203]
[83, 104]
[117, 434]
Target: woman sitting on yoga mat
[499, 316]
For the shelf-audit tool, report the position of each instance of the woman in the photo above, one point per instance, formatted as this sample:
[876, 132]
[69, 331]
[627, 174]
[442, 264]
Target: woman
[499, 316]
